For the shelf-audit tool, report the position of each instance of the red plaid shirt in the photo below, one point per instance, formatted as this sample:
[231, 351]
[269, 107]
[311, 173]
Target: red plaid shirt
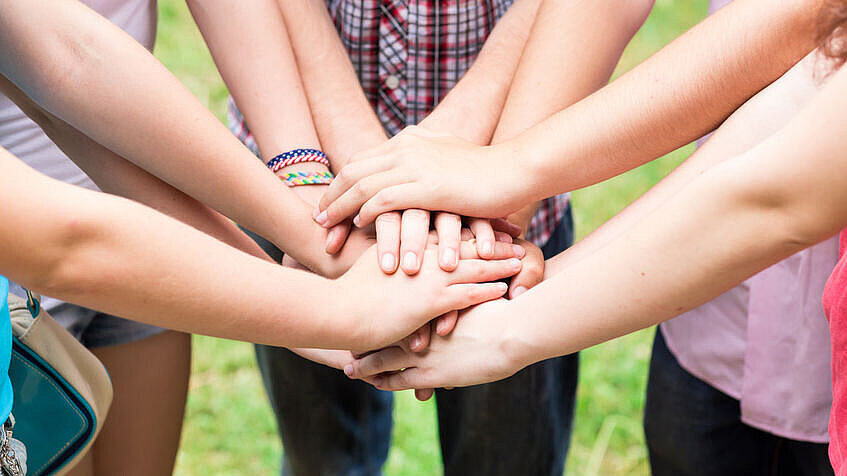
[408, 54]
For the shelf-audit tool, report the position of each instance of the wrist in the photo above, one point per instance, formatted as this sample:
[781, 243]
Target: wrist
[516, 346]
[509, 160]
[357, 323]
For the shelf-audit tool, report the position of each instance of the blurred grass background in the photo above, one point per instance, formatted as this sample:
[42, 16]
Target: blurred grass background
[229, 427]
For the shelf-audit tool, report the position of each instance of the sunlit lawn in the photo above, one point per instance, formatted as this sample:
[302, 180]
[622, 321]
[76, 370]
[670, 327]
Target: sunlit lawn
[229, 428]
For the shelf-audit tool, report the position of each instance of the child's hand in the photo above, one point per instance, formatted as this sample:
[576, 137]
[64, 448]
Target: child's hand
[421, 169]
[390, 308]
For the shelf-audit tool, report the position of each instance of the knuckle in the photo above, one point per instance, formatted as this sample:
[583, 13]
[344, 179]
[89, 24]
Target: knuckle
[389, 218]
[383, 199]
[358, 189]
[416, 214]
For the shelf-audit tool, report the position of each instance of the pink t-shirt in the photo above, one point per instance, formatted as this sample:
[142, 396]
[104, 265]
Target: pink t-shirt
[835, 304]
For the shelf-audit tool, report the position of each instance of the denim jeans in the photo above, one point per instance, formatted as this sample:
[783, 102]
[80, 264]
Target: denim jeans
[333, 426]
[693, 429]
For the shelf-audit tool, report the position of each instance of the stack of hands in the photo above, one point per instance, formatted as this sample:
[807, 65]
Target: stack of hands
[360, 219]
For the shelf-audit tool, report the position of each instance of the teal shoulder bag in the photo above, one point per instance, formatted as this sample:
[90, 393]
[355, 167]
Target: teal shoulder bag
[62, 392]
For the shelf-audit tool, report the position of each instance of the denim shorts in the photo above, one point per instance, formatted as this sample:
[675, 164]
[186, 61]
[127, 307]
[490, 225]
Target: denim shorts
[93, 328]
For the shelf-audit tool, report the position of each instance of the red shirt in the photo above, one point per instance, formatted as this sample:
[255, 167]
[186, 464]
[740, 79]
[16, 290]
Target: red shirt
[835, 306]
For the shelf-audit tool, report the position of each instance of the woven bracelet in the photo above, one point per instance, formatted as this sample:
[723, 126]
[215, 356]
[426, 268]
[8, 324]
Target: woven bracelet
[294, 179]
[297, 156]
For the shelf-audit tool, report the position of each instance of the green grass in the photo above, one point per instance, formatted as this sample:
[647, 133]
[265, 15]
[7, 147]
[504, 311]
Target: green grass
[229, 427]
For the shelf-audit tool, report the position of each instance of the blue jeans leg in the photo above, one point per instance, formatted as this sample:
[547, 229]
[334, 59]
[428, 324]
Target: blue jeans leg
[520, 425]
[693, 429]
[329, 425]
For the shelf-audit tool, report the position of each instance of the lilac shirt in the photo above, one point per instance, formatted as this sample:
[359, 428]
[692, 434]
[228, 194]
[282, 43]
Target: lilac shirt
[766, 343]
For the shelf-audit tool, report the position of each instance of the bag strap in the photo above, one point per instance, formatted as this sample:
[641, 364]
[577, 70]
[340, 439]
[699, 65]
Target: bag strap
[32, 304]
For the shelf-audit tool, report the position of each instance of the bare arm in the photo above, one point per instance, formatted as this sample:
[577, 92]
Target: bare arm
[737, 218]
[345, 121]
[115, 255]
[572, 52]
[252, 50]
[758, 118]
[472, 108]
[114, 174]
[89, 73]
[681, 93]
[677, 95]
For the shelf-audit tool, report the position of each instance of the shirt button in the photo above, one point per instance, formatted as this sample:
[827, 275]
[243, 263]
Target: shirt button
[392, 81]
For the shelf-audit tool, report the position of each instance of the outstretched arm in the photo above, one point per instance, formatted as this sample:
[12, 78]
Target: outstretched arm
[116, 175]
[261, 73]
[728, 223]
[677, 95]
[90, 74]
[115, 255]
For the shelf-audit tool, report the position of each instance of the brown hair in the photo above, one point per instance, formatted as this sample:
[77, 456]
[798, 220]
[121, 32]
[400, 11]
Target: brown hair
[832, 30]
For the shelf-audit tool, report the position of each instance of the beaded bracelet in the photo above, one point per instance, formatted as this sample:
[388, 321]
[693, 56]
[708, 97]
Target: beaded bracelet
[294, 179]
[297, 156]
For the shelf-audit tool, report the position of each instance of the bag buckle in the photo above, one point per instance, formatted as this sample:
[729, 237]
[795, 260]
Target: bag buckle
[8, 460]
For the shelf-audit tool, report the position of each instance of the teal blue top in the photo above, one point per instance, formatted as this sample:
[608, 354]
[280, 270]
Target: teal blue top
[5, 351]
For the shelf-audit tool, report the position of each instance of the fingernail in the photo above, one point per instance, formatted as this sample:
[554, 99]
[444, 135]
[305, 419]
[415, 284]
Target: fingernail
[348, 370]
[356, 221]
[519, 251]
[416, 342]
[449, 257]
[388, 262]
[518, 291]
[410, 261]
[441, 327]
[514, 263]
[502, 287]
[485, 248]
[321, 217]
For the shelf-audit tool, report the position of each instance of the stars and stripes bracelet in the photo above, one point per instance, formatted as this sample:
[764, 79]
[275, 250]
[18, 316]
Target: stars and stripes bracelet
[297, 156]
[294, 179]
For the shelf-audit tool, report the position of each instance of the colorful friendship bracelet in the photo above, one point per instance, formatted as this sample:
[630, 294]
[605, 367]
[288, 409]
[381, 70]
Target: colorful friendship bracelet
[294, 179]
[297, 156]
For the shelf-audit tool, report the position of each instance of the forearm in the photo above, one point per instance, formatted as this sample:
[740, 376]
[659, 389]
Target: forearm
[472, 108]
[101, 251]
[115, 175]
[97, 75]
[758, 118]
[676, 259]
[734, 220]
[344, 119]
[593, 36]
[679, 94]
[252, 50]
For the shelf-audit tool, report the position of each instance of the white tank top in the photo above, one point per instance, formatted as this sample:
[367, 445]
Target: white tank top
[24, 139]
